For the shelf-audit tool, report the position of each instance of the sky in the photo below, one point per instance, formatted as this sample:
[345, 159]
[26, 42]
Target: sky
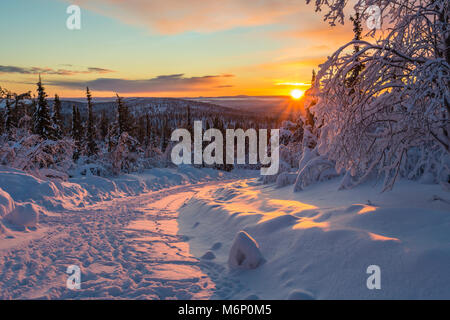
[165, 48]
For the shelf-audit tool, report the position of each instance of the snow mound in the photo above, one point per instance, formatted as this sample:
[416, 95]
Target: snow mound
[300, 295]
[244, 253]
[6, 203]
[24, 187]
[24, 215]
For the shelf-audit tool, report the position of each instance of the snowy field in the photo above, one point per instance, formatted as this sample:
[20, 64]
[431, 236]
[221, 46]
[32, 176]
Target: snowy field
[168, 234]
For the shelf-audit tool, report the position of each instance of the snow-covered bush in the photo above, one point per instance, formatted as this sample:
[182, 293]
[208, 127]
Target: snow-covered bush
[125, 157]
[313, 167]
[32, 154]
[285, 179]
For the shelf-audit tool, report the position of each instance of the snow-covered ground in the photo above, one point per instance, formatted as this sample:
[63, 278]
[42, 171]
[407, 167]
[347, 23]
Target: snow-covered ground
[319, 243]
[168, 233]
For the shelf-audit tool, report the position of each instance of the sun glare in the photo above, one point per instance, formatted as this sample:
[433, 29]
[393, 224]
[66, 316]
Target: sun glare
[296, 94]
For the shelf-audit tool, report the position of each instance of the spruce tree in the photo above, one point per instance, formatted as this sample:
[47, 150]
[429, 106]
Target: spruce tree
[2, 122]
[42, 120]
[11, 120]
[77, 132]
[189, 120]
[356, 70]
[104, 125]
[163, 142]
[148, 130]
[91, 145]
[309, 116]
[123, 116]
[58, 121]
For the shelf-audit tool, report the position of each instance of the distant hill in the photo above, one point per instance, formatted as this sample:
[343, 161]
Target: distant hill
[283, 106]
[154, 106]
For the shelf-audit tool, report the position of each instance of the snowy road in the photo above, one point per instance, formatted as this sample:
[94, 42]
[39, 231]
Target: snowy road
[126, 248]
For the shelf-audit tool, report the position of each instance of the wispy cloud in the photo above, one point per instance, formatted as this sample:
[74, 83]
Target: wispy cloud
[50, 71]
[175, 16]
[162, 83]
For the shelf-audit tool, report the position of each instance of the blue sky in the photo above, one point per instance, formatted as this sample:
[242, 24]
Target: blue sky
[240, 48]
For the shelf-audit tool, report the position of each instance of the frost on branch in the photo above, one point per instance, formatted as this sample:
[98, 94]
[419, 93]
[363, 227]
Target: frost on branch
[394, 120]
[32, 154]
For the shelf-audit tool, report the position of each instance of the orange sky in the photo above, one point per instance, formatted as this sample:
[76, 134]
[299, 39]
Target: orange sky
[166, 48]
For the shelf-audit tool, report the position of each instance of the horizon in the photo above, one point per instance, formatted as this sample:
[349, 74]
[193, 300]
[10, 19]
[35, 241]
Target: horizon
[165, 50]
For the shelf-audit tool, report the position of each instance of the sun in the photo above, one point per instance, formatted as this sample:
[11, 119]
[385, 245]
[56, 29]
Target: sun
[296, 94]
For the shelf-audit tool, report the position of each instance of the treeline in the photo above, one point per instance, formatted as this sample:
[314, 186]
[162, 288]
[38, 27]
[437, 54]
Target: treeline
[36, 134]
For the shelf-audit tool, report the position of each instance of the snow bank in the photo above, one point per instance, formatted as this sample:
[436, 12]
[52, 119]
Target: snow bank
[24, 215]
[244, 253]
[6, 203]
[318, 244]
[23, 187]
[24, 196]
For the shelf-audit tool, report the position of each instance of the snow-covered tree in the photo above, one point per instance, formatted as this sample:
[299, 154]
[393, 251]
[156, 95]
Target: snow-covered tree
[42, 120]
[58, 121]
[77, 132]
[11, 118]
[91, 144]
[394, 119]
[123, 116]
[125, 157]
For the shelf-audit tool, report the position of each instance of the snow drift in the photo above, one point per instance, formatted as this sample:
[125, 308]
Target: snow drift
[244, 253]
[317, 244]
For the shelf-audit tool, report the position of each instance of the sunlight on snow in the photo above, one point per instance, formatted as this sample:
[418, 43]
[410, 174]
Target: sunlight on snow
[367, 209]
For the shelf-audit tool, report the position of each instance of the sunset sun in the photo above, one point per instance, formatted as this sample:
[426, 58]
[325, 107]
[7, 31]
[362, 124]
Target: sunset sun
[296, 94]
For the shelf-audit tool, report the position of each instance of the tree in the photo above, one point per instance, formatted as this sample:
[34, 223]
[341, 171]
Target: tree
[394, 119]
[148, 130]
[189, 120]
[58, 121]
[310, 101]
[11, 119]
[353, 75]
[163, 142]
[123, 116]
[104, 125]
[77, 132]
[91, 145]
[42, 120]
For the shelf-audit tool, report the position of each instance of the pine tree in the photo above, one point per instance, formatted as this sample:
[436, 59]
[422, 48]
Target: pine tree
[42, 120]
[309, 116]
[77, 132]
[104, 125]
[356, 70]
[189, 120]
[11, 120]
[140, 130]
[2, 122]
[91, 145]
[123, 116]
[163, 142]
[58, 121]
[148, 130]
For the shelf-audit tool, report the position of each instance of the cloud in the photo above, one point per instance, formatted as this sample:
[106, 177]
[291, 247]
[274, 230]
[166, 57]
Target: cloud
[162, 83]
[50, 71]
[175, 16]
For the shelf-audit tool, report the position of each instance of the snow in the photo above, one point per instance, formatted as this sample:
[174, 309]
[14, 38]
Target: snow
[317, 244]
[24, 215]
[187, 233]
[244, 253]
[6, 203]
